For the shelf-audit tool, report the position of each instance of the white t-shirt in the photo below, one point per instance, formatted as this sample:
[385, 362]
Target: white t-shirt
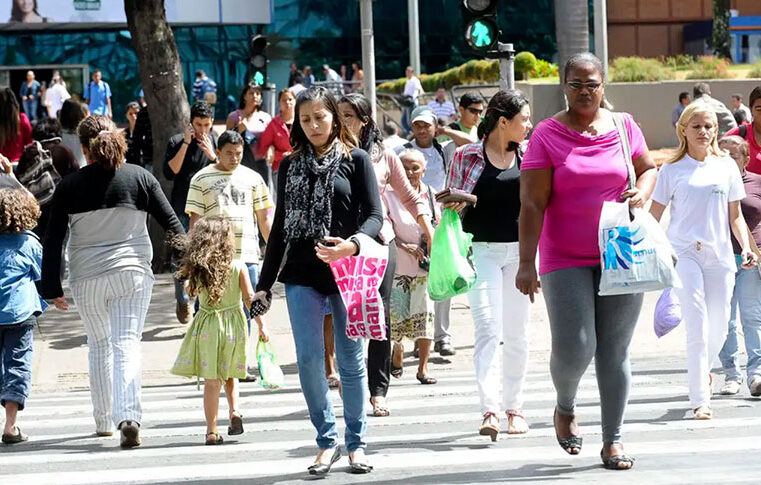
[54, 98]
[699, 194]
[413, 87]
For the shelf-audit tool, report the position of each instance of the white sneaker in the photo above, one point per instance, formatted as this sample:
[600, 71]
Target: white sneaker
[730, 388]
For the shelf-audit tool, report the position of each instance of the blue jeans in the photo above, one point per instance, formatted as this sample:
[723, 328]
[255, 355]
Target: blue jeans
[30, 108]
[747, 299]
[305, 308]
[253, 275]
[16, 346]
[179, 289]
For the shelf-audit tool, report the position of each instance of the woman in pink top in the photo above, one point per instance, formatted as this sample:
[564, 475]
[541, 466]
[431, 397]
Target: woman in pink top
[389, 171]
[575, 162]
[411, 308]
[752, 132]
[15, 128]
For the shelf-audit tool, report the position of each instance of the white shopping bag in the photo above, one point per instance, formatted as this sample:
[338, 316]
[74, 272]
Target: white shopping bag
[635, 256]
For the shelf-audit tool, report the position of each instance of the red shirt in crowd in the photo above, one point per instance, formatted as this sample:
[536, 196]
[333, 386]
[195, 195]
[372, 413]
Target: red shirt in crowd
[755, 150]
[278, 135]
[14, 147]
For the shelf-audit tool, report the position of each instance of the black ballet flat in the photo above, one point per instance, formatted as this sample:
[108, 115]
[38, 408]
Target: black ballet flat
[322, 469]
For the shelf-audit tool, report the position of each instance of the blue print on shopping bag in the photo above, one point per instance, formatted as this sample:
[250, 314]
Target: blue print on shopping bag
[620, 247]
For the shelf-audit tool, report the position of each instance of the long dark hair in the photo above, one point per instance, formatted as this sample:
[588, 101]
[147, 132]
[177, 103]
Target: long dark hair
[370, 134]
[299, 139]
[505, 104]
[246, 89]
[9, 116]
[17, 15]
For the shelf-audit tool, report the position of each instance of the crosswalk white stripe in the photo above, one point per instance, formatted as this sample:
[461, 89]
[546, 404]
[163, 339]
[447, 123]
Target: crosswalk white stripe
[399, 393]
[303, 424]
[384, 461]
[412, 439]
[536, 379]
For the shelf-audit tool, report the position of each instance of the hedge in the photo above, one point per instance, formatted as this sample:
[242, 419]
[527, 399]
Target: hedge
[638, 69]
[710, 67]
[472, 72]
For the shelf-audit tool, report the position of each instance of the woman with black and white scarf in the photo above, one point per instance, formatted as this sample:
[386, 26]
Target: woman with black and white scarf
[329, 196]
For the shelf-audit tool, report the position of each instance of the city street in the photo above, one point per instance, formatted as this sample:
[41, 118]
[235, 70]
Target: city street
[430, 437]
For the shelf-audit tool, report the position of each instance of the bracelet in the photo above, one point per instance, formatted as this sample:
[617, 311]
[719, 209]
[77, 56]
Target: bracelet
[185, 142]
[355, 241]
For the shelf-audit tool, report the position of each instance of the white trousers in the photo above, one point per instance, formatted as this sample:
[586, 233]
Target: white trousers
[705, 296]
[113, 309]
[500, 312]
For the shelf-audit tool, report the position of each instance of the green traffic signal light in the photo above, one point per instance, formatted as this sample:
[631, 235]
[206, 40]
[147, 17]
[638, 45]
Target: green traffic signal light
[482, 34]
[259, 78]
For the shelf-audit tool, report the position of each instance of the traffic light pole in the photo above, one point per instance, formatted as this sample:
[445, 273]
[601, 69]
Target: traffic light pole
[506, 54]
[368, 52]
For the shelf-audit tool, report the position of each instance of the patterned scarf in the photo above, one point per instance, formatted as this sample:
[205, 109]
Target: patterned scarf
[308, 210]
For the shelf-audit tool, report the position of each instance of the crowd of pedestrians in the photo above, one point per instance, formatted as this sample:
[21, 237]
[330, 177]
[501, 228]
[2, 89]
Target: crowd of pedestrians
[311, 185]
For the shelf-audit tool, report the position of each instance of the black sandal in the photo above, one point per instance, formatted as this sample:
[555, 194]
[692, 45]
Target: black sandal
[218, 440]
[236, 424]
[613, 462]
[570, 443]
[397, 371]
[427, 380]
[12, 439]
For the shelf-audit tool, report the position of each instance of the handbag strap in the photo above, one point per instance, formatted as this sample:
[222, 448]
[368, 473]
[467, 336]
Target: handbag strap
[618, 119]
[430, 203]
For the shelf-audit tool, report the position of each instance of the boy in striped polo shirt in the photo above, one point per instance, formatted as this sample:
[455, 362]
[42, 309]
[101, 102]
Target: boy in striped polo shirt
[227, 188]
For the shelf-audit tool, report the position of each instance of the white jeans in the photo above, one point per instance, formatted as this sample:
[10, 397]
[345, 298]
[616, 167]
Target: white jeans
[113, 309]
[707, 285]
[500, 312]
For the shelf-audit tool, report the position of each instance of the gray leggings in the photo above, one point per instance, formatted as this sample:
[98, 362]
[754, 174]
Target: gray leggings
[585, 325]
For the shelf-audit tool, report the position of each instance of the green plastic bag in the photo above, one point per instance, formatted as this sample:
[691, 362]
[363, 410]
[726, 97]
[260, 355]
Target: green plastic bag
[452, 270]
[270, 375]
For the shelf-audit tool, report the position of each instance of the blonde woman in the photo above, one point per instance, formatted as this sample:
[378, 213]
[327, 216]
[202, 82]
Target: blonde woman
[704, 188]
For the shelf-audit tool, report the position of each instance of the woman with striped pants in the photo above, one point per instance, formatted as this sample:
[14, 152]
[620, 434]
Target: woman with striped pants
[104, 206]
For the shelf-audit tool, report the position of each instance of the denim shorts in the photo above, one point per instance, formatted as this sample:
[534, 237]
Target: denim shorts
[16, 346]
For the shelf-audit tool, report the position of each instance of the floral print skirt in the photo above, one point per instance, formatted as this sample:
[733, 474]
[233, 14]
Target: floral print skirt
[411, 308]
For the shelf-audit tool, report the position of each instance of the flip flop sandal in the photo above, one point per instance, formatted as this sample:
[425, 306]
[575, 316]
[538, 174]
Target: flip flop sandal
[613, 462]
[427, 380]
[703, 413]
[12, 439]
[379, 411]
[324, 468]
[488, 429]
[568, 443]
[218, 440]
[236, 424]
[397, 371]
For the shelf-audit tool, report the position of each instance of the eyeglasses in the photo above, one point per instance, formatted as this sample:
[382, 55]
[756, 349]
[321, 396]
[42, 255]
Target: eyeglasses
[475, 111]
[578, 86]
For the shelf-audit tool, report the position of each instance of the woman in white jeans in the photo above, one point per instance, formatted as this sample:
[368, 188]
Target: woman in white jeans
[704, 187]
[103, 206]
[490, 170]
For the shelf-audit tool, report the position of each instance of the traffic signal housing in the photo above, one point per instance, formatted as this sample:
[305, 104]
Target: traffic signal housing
[481, 29]
[257, 59]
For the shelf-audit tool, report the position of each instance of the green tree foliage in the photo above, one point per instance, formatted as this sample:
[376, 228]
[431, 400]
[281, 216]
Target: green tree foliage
[720, 35]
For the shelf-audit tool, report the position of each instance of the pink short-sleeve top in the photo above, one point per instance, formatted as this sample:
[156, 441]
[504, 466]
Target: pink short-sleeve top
[587, 170]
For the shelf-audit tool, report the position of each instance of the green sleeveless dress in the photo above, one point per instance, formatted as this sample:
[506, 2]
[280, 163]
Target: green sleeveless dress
[214, 346]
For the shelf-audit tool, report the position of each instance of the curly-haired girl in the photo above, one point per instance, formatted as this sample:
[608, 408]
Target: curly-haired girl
[214, 347]
[21, 262]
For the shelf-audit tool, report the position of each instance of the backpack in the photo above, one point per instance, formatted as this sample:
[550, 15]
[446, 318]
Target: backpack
[743, 131]
[37, 173]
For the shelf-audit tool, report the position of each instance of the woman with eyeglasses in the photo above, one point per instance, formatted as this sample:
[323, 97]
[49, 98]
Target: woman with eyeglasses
[574, 163]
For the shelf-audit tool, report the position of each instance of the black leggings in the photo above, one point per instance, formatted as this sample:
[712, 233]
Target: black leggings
[379, 351]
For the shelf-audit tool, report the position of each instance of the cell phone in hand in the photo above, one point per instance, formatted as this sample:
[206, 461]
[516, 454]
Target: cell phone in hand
[326, 243]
